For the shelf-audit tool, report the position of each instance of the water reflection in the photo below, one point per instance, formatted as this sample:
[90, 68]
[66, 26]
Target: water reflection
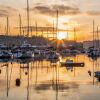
[32, 79]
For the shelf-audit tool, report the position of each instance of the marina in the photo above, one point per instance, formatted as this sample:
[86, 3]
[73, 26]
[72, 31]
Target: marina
[49, 50]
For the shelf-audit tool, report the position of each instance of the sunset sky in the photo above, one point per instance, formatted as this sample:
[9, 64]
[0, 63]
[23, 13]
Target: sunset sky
[72, 13]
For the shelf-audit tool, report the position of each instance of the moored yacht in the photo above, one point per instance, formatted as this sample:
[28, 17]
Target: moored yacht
[52, 56]
[25, 45]
[23, 54]
[5, 54]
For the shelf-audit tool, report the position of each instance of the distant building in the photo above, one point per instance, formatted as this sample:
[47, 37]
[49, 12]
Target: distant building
[72, 45]
[87, 44]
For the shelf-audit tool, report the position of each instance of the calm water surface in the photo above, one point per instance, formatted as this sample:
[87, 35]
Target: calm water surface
[42, 80]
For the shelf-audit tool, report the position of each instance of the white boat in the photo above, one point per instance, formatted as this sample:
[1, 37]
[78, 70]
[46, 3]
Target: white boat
[2, 46]
[5, 54]
[25, 45]
[23, 54]
[52, 56]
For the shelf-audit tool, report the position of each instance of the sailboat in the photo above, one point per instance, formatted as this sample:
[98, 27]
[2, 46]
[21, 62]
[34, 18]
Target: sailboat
[94, 51]
[52, 56]
[5, 53]
[27, 54]
[23, 53]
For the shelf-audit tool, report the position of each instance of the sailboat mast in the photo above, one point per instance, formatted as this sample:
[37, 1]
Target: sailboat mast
[98, 37]
[53, 31]
[56, 28]
[7, 29]
[36, 28]
[93, 33]
[36, 32]
[28, 18]
[67, 33]
[7, 26]
[75, 35]
[20, 24]
[94, 47]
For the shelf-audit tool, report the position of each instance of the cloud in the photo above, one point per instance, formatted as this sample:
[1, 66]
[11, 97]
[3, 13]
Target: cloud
[45, 10]
[7, 11]
[51, 10]
[66, 9]
[93, 13]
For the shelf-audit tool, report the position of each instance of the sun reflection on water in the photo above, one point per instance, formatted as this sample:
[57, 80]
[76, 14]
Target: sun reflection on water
[43, 79]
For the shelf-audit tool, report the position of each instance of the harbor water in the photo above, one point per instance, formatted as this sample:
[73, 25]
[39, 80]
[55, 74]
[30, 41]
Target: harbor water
[45, 80]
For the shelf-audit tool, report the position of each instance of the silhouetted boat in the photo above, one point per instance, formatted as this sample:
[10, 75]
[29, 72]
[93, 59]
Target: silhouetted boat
[93, 52]
[97, 74]
[5, 60]
[52, 56]
[23, 54]
[5, 54]
[70, 63]
[2, 46]
[24, 61]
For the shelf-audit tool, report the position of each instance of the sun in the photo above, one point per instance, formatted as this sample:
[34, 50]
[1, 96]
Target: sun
[61, 35]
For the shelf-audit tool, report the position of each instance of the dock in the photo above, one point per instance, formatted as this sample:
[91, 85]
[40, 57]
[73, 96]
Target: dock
[73, 64]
